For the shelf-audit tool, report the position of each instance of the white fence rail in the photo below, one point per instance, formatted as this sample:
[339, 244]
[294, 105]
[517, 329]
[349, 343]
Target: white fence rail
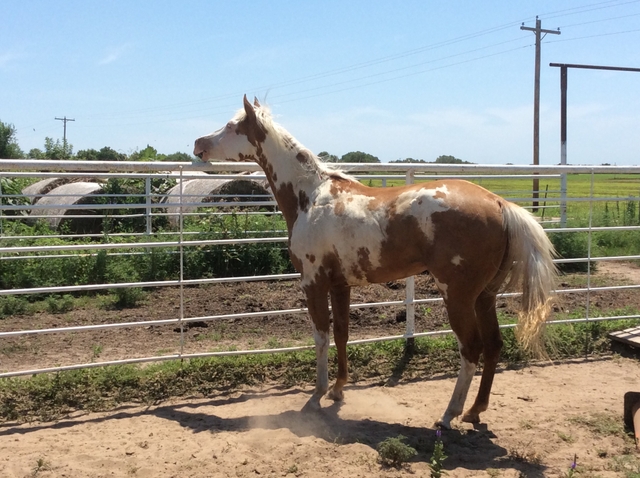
[552, 206]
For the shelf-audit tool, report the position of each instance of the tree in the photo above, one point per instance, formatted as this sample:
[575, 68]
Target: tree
[179, 157]
[56, 149]
[446, 159]
[358, 157]
[328, 158]
[35, 153]
[408, 160]
[147, 154]
[9, 148]
[87, 155]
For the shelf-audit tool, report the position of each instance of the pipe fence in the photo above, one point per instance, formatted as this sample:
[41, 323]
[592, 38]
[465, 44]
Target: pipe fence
[586, 206]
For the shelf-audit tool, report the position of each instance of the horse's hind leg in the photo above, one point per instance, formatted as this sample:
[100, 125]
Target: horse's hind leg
[340, 298]
[462, 319]
[487, 319]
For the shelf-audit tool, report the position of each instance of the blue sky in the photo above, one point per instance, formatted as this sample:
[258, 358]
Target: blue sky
[394, 79]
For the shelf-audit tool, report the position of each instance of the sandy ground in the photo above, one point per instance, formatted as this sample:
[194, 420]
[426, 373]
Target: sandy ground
[537, 421]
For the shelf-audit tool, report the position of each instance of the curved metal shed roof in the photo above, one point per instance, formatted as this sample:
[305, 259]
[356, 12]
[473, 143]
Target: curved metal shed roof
[65, 197]
[196, 192]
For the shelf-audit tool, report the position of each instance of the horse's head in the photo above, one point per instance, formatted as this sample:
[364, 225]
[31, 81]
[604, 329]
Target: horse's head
[239, 140]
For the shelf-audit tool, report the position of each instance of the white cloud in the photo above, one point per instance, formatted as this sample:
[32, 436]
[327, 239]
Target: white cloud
[113, 54]
[7, 58]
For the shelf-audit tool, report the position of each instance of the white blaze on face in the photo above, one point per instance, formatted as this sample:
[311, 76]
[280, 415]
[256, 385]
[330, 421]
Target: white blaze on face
[456, 260]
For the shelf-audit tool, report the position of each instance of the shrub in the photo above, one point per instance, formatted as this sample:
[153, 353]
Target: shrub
[393, 452]
[571, 245]
[13, 305]
[60, 305]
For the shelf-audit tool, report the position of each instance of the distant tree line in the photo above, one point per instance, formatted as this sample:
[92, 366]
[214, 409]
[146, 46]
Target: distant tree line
[57, 149]
[360, 157]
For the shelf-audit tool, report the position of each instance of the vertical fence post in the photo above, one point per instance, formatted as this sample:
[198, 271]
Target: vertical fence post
[147, 192]
[410, 289]
[181, 279]
[1, 209]
[563, 145]
[588, 304]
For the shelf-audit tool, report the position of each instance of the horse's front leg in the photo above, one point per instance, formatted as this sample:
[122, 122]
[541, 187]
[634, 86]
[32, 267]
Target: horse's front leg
[318, 304]
[340, 299]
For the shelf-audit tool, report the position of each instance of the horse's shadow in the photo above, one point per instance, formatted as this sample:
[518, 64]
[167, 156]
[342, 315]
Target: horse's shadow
[325, 424]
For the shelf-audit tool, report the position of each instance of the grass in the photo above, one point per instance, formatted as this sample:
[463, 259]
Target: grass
[602, 424]
[49, 396]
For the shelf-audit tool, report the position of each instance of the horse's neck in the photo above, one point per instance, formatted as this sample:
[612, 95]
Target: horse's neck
[292, 174]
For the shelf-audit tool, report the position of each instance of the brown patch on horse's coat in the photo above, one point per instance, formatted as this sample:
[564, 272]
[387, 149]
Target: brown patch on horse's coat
[289, 203]
[339, 208]
[303, 201]
[297, 263]
[311, 257]
[364, 262]
[303, 157]
[439, 194]
[247, 157]
[254, 132]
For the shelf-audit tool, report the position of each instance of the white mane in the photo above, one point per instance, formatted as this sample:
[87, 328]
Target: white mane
[287, 142]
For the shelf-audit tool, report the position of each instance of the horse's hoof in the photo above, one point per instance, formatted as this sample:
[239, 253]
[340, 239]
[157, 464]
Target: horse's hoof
[443, 423]
[336, 395]
[471, 417]
[312, 406]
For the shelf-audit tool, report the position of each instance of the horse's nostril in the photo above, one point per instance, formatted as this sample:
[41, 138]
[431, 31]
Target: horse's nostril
[200, 154]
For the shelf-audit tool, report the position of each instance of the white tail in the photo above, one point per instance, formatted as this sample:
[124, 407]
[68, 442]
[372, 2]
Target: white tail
[533, 271]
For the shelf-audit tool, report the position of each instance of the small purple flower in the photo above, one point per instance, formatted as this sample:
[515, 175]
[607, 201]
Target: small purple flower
[574, 464]
[438, 433]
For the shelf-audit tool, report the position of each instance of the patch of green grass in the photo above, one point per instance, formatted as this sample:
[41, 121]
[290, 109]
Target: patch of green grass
[41, 465]
[602, 424]
[567, 438]
[628, 465]
[48, 396]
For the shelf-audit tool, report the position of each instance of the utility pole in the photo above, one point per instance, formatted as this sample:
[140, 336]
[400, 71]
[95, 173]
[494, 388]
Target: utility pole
[536, 103]
[64, 137]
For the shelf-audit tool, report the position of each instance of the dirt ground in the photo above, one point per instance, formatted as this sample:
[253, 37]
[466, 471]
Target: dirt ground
[539, 418]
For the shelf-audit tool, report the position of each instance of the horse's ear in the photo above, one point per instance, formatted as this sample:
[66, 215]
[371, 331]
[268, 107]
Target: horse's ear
[256, 103]
[248, 109]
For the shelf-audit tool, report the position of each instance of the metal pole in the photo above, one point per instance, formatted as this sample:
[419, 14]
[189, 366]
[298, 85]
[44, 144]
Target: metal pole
[147, 188]
[536, 115]
[536, 104]
[410, 289]
[563, 145]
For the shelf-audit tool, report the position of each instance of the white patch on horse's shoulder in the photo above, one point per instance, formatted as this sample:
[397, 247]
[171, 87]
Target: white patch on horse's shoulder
[442, 287]
[421, 204]
[456, 260]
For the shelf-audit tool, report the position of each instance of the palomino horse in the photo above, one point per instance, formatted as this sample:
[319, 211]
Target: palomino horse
[344, 234]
